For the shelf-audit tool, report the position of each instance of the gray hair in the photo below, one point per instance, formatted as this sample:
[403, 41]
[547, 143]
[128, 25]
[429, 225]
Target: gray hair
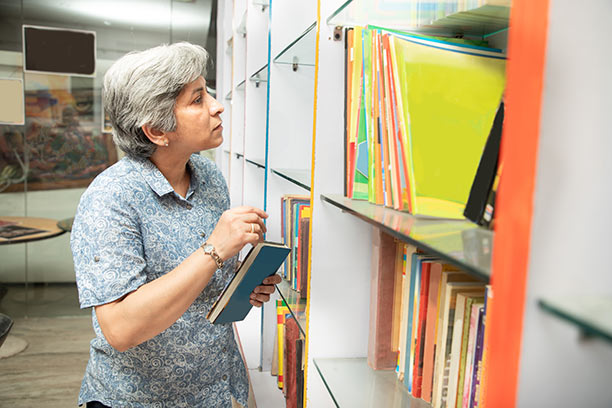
[141, 88]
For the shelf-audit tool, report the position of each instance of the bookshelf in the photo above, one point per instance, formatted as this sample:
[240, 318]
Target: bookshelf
[461, 243]
[546, 278]
[592, 315]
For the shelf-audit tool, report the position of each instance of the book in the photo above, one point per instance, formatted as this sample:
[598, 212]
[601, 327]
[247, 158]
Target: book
[486, 172]
[459, 345]
[303, 249]
[381, 355]
[292, 333]
[471, 350]
[430, 334]
[442, 363]
[419, 350]
[233, 304]
[299, 367]
[11, 231]
[281, 310]
[477, 371]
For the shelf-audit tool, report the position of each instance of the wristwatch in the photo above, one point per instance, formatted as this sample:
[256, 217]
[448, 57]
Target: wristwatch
[209, 249]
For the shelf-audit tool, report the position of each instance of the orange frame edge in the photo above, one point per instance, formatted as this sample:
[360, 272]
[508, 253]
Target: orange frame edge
[514, 206]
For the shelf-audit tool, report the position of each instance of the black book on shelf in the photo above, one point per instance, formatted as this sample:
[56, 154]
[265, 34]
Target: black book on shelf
[480, 192]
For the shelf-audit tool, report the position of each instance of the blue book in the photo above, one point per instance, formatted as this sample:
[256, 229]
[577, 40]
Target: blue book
[234, 304]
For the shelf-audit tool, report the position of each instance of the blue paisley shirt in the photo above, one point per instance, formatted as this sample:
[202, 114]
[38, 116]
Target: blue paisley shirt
[131, 227]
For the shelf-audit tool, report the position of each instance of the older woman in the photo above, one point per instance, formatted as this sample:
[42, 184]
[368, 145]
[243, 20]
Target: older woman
[154, 243]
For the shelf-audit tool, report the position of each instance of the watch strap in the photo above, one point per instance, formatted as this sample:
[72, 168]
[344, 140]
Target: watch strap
[213, 253]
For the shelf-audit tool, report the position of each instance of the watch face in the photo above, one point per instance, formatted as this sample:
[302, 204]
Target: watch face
[208, 248]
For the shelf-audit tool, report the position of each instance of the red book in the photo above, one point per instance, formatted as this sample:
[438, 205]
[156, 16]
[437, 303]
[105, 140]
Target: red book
[292, 333]
[430, 333]
[417, 380]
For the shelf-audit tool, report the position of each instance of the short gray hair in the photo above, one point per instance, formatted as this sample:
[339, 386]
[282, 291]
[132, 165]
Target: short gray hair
[141, 88]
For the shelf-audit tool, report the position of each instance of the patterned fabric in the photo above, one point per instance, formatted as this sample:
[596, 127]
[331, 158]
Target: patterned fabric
[131, 228]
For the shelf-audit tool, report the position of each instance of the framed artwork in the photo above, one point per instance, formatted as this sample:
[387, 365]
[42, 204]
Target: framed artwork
[60, 145]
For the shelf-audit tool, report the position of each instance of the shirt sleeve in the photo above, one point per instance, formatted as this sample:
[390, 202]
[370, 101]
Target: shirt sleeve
[106, 246]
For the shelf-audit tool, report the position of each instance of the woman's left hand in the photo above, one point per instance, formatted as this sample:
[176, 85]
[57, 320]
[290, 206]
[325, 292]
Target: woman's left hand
[261, 293]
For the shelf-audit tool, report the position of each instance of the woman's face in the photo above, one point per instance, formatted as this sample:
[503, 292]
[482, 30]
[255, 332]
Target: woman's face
[198, 121]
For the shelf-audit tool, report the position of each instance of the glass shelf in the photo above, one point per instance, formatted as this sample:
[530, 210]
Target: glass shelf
[592, 314]
[262, 3]
[241, 29]
[426, 16]
[352, 383]
[301, 52]
[299, 177]
[459, 242]
[260, 76]
[296, 304]
[257, 162]
[240, 85]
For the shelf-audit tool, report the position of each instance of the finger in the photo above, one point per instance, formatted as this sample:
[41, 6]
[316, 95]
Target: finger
[272, 280]
[267, 289]
[245, 209]
[260, 297]
[254, 219]
[256, 303]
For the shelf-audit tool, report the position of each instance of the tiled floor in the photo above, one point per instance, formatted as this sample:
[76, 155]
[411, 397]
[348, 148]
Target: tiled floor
[50, 369]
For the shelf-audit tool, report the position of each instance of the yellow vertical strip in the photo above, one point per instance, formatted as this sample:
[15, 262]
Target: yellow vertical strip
[312, 201]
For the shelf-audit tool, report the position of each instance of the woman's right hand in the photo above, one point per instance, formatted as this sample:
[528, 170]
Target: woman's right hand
[236, 228]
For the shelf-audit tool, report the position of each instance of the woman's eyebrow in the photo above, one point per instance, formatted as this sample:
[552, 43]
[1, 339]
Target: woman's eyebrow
[197, 90]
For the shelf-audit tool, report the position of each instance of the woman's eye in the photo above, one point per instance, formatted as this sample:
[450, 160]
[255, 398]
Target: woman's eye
[198, 99]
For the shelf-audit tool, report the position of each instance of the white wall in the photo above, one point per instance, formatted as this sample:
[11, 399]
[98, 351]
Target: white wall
[570, 248]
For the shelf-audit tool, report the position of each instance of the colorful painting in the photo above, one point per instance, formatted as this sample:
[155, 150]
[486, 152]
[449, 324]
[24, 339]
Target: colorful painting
[61, 144]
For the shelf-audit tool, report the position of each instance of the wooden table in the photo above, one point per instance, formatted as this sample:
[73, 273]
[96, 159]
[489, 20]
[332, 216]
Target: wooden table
[48, 225]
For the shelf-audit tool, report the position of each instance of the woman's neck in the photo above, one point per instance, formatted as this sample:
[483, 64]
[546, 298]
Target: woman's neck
[174, 170]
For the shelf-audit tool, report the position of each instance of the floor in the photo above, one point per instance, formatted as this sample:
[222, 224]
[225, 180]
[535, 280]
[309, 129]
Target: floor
[49, 370]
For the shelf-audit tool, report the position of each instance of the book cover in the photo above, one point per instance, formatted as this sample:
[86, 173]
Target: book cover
[430, 333]
[469, 358]
[449, 120]
[477, 371]
[408, 250]
[348, 86]
[281, 311]
[304, 256]
[487, 169]
[381, 355]
[299, 367]
[413, 311]
[233, 304]
[442, 363]
[464, 301]
[448, 276]
[11, 231]
[420, 333]
[292, 333]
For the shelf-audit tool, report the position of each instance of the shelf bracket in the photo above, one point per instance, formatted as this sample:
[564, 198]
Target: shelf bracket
[338, 33]
[295, 64]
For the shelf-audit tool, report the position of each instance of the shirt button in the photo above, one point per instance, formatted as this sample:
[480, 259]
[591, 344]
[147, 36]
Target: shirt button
[202, 234]
[96, 258]
[225, 349]
[224, 377]
[189, 206]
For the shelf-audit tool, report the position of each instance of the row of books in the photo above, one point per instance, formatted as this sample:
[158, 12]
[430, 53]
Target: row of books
[295, 227]
[419, 110]
[288, 357]
[427, 323]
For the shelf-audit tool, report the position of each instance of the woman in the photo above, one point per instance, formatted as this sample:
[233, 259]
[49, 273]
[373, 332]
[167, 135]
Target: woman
[137, 243]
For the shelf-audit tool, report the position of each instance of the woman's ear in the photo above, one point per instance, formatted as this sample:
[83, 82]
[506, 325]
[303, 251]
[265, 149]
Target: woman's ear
[156, 136]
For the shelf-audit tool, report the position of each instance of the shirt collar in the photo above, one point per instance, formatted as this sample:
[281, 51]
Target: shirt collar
[156, 180]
